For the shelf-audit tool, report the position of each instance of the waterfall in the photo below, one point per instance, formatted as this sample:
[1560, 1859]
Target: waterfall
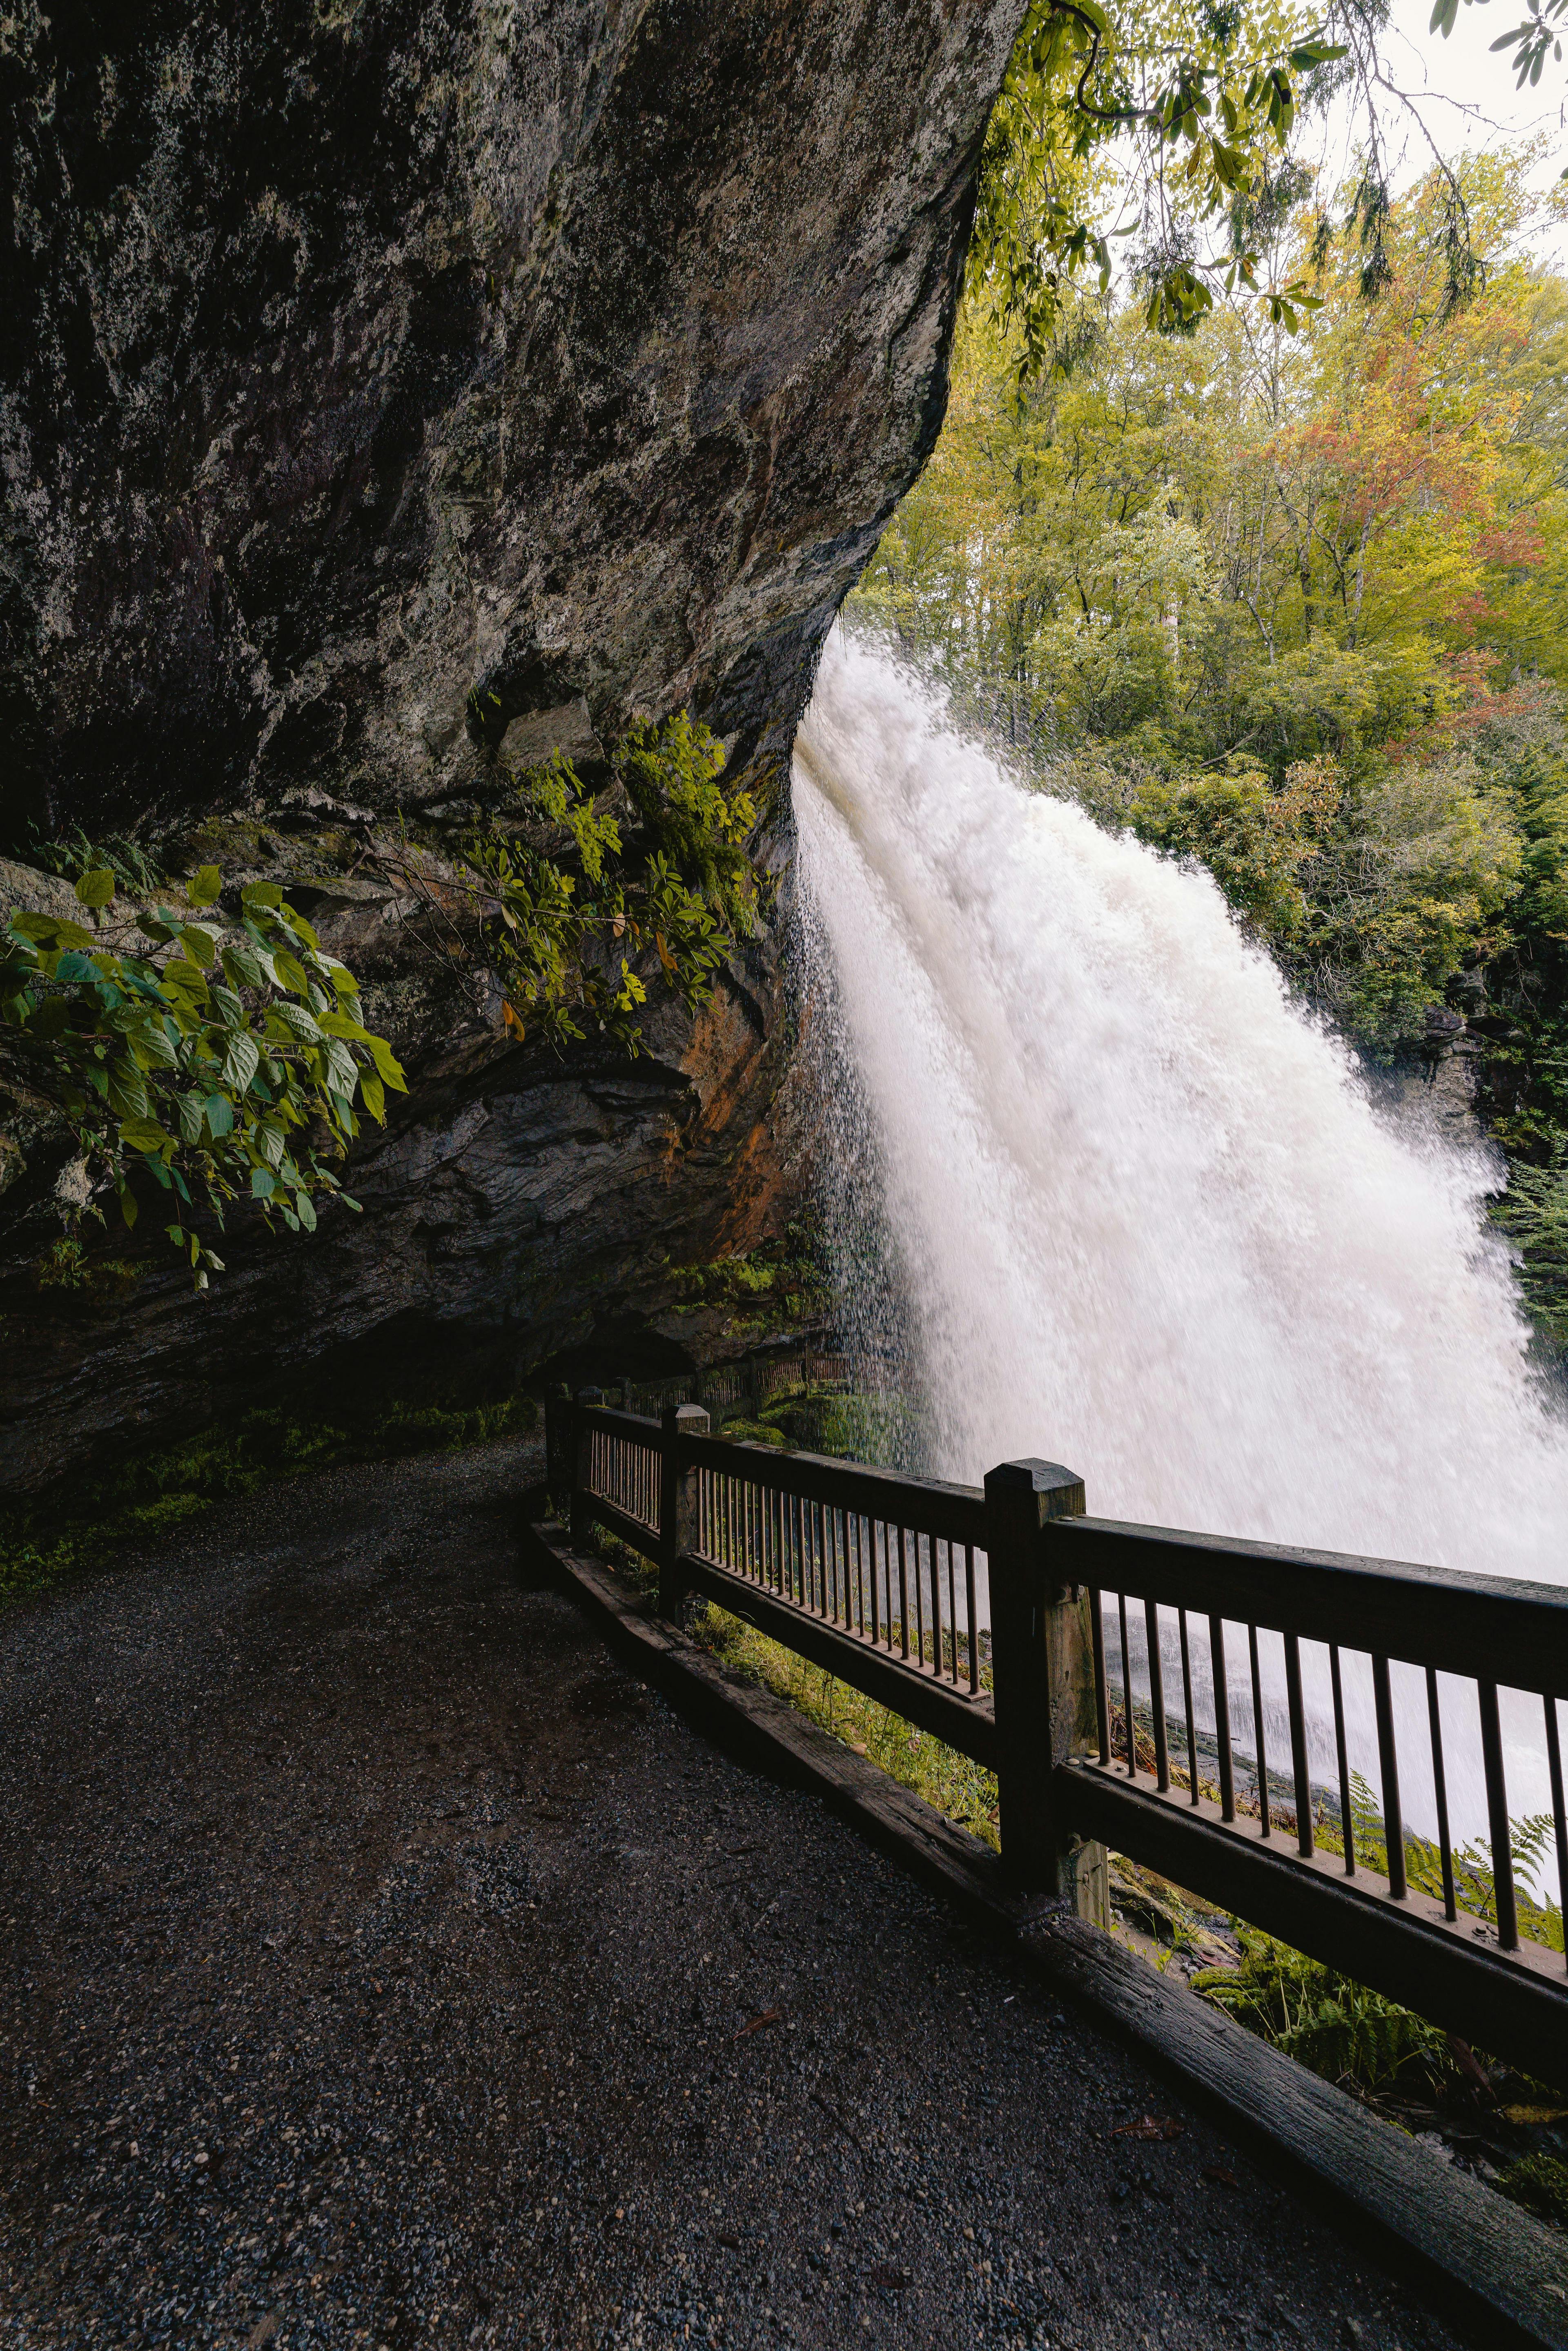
[1140, 1211]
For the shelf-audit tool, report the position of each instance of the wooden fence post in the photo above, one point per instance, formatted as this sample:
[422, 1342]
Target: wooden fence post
[1043, 1675]
[586, 1399]
[677, 1502]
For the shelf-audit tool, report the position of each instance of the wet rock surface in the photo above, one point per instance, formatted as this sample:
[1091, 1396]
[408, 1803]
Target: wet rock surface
[355, 358]
[523, 1206]
[384, 1963]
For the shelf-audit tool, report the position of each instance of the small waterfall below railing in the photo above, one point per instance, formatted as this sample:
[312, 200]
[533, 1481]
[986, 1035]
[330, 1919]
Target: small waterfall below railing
[1112, 1195]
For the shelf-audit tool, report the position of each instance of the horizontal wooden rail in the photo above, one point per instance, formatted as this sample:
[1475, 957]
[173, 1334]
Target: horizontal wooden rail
[1406, 1949]
[1041, 1643]
[1481, 1626]
[953, 1513]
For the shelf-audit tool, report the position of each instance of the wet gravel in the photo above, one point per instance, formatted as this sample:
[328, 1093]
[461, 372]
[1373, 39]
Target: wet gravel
[383, 1964]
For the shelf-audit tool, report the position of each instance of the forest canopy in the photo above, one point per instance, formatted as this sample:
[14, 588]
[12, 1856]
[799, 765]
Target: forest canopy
[1290, 596]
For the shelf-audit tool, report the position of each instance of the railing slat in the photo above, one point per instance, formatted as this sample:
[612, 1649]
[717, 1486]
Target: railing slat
[1440, 1792]
[1559, 1817]
[1300, 1772]
[1222, 1717]
[1496, 1813]
[1388, 1767]
[1157, 1696]
[1191, 1710]
[1347, 1819]
[1260, 1745]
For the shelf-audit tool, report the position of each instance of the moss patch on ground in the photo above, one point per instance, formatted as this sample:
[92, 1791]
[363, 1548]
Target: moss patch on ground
[148, 1495]
[962, 1788]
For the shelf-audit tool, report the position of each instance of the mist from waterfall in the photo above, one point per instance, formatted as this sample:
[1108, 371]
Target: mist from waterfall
[1108, 1194]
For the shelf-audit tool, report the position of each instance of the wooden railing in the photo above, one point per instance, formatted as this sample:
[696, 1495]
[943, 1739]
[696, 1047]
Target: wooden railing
[1132, 1687]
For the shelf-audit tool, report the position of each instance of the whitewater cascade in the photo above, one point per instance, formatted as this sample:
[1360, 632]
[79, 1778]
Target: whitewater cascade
[1140, 1211]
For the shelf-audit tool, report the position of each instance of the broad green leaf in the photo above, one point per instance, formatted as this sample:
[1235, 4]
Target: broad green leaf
[261, 894]
[51, 928]
[242, 968]
[291, 972]
[269, 1143]
[338, 1024]
[151, 1046]
[343, 1071]
[48, 1018]
[145, 1135]
[262, 1183]
[240, 1059]
[203, 887]
[231, 1011]
[341, 977]
[305, 1211]
[220, 1116]
[96, 887]
[127, 1093]
[387, 1062]
[372, 1096]
[300, 927]
[182, 978]
[294, 1019]
[127, 1199]
[193, 1116]
[75, 965]
[200, 944]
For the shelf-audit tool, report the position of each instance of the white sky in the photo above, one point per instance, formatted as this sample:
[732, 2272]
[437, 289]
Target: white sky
[1466, 96]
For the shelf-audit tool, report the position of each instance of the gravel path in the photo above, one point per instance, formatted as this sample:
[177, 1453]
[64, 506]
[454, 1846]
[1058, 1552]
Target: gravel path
[383, 1964]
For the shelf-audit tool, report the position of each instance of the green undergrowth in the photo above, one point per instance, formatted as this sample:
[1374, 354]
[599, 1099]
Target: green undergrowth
[1327, 2021]
[1410, 2070]
[964, 1789]
[145, 1499]
[961, 1789]
[846, 1425]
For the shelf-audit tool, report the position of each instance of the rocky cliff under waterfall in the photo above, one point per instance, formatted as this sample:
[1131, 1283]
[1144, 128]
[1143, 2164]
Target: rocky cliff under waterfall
[389, 394]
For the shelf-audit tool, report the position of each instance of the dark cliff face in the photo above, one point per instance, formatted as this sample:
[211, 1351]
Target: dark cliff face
[358, 355]
[384, 384]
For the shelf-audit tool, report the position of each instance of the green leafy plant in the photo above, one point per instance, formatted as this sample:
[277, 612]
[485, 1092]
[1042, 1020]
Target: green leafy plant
[1530, 1842]
[74, 854]
[215, 1057]
[1195, 105]
[1533, 1213]
[1539, 2182]
[1330, 2023]
[568, 902]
